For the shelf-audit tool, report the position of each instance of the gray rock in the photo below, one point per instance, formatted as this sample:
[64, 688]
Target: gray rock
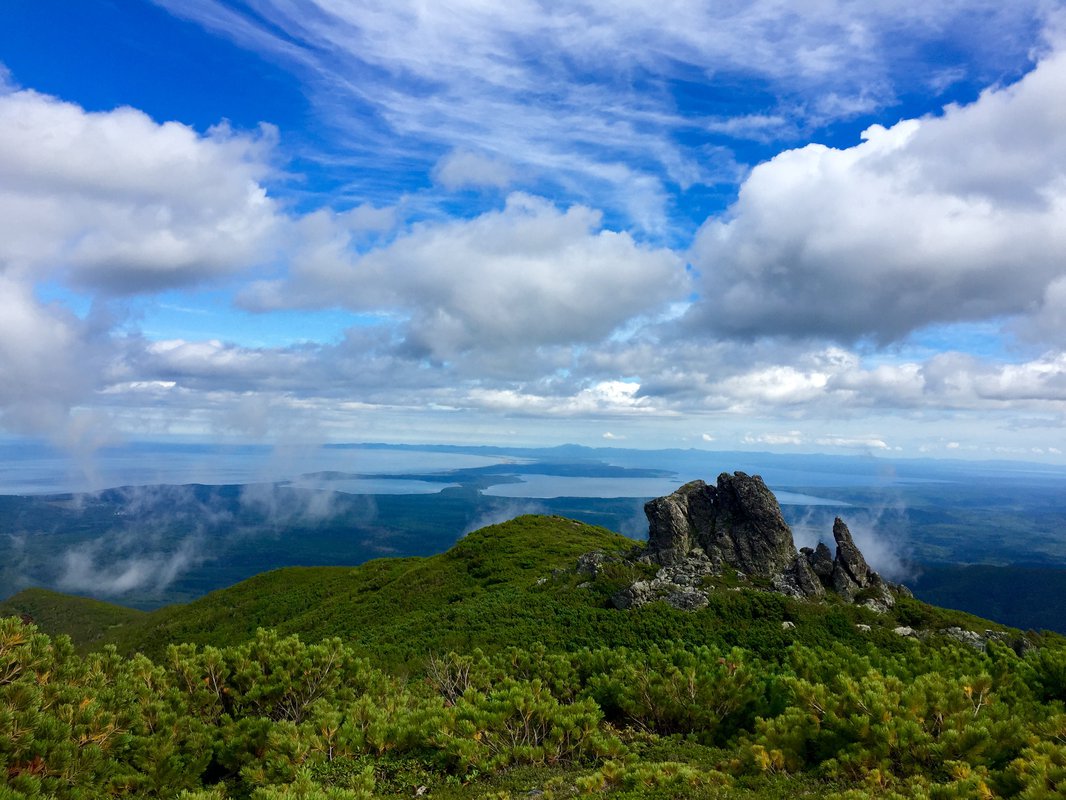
[798, 580]
[737, 522]
[974, 640]
[687, 572]
[863, 627]
[980, 641]
[903, 630]
[687, 600]
[672, 521]
[699, 529]
[851, 573]
[882, 599]
[643, 592]
[788, 626]
[634, 596]
[821, 561]
[590, 563]
[900, 589]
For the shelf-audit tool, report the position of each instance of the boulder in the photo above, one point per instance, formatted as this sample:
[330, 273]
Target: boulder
[878, 597]
[689, 572]
[673, 520]
[634, 596]
[659, 589]
[687, 600]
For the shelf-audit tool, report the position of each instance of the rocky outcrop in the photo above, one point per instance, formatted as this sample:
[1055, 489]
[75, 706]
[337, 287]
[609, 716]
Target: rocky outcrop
[821, 561]
[737, 522]
[677, 584]
[850, 572]
[849, 575]
[798, 580]
[701, 530]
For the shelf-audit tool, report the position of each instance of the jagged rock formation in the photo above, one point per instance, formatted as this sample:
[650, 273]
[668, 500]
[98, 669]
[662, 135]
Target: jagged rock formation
[737, 522]
[700, 530]
[850, 573]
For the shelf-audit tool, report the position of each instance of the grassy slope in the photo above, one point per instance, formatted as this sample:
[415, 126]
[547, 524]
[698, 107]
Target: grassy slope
[485, 592]
[396, 608]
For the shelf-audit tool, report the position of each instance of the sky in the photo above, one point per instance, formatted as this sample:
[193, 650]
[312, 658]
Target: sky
[830, 226]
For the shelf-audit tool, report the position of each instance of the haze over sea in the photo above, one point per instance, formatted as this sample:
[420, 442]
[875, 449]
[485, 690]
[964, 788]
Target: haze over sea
[36, 468]
[33, 468]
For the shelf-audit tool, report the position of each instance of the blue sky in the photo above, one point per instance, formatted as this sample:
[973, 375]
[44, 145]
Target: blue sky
[833, 226]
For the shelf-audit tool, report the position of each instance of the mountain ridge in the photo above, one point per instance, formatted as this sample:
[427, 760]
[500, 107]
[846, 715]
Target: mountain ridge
[500, 586]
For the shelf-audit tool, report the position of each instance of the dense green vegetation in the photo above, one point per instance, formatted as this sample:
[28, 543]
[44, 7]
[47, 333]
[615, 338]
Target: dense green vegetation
[496, 669]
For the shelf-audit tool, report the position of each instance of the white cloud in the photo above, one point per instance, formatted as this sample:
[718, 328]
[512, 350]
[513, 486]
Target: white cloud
[7, 81]
[461, 168]
[605, 398]
[118, 203]
[50, 361]
[775, 385]
[529, 275]
[942, 219]
[792, 438]
[852, 442]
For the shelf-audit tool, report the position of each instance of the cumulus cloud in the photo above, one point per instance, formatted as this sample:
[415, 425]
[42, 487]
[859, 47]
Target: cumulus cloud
[113, 203]
[941, 219]
[118, 203]
[527, 275]
[540, 309]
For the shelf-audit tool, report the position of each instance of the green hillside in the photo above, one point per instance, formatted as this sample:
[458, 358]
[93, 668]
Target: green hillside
[505, 585]
[500, 670]
[86, 621]
[476, 594]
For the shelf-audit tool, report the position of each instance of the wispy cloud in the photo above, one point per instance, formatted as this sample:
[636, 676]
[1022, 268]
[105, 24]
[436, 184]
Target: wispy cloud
[590, 97]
